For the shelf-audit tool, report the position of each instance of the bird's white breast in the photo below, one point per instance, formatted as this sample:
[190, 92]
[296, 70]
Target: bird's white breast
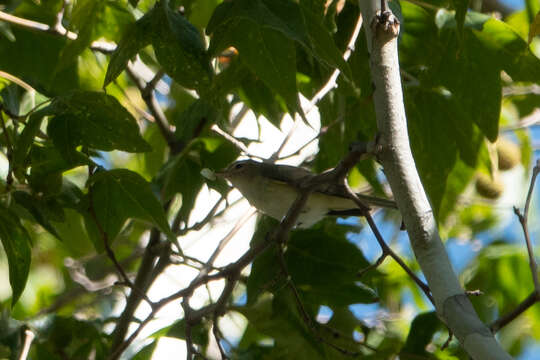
[275, 200]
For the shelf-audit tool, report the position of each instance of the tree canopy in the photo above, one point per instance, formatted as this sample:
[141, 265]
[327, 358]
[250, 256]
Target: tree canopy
[114, 114]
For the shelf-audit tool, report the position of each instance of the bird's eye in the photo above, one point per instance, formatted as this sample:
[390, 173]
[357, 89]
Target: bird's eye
[239, 166]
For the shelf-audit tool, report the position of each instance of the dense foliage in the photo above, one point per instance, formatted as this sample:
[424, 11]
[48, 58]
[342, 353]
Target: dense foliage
[109, 111]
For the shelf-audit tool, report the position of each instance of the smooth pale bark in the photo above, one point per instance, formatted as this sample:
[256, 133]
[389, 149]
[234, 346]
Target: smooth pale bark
[452, 305]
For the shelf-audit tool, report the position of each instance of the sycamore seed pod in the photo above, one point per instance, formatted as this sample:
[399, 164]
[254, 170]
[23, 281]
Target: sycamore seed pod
[508, 153]
[487, 187]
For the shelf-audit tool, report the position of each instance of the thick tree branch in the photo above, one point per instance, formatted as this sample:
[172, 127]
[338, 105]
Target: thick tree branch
[451, 302]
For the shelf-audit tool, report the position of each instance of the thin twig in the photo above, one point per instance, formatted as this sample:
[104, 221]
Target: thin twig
[385, 248]
[523, 219]
[394, 256]
[331, 83]
[375, 265]
[28, 338]
[101, 46]
[327, 87]
[321, 133]
[235, 121]
[217, 336]
[147, 95]
[239, 224]
[17, 81]
[498, 324]
[240, 145]
[199, 225]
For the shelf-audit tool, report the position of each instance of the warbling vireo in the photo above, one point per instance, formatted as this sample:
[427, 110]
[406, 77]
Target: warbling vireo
[271, 189]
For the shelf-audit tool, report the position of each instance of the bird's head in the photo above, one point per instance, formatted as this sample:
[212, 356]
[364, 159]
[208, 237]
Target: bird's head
[241, 173]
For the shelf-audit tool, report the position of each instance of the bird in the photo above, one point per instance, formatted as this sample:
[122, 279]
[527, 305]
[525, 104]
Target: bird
[272, 189]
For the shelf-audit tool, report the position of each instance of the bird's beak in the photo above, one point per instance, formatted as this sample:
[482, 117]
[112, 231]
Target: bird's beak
[221, 174]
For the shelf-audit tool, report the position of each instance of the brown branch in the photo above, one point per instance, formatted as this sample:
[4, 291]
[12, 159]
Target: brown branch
[112, 256]
[217, 337]
[535, 295]
[199, 225]
[237, 143]
[523, 219]
[147, 94]
[506, 319]
[57, 30]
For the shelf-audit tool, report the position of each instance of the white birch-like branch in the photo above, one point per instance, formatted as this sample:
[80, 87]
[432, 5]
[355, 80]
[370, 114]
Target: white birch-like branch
[451, 302]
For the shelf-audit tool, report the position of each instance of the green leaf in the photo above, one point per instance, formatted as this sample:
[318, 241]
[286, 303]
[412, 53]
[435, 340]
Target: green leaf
[115, 19]
[154, 159]
[432, 142]
[323, 45]
[120, 194]
[278, 318]
[78, 238]
[47, 164]
[324, 266]
[260, 99]
[39, 74]
[43, 212]
[25, 140]
[136, 37]
[47, 159]
[423, 327]
[458, 179]
[95, 120]
[461, 10]
[199, 332]
[146, 352]
[265, 51]
[297, 23]
[321, 262]
[180, 49]
[191, 122]
[16, 243]
[500, 43]
[85, 16]
[182, 173]
[535, 28]
[264, 275]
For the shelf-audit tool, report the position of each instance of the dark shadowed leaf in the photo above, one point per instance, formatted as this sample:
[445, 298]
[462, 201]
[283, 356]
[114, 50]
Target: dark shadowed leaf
[84, 17]
[460, 7]
[136, 37]
[43, 211]
[422, 329]
[325, 266]
[40, 74]
[321, 262]
[95, 120]
[180, 49]
[25, 140]
[16, 243]
[278, 318]
[433, 142]
[120, 194]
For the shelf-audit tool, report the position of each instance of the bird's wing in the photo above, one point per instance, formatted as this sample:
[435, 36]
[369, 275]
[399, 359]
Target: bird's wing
[340, 191]
[292, 175]
[285, 173]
